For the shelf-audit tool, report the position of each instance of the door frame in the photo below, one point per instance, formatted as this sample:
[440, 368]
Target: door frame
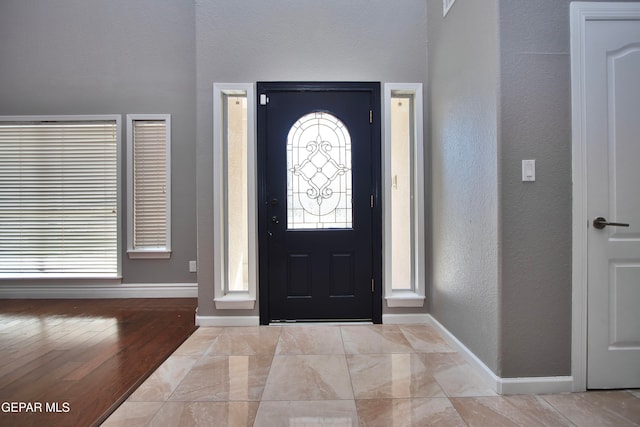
[580, 14]
[376, 153]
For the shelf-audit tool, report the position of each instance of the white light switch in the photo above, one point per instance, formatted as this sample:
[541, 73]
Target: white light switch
[193, 267]
[528, 170]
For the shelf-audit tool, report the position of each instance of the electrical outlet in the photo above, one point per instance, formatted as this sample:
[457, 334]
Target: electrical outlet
[193, 267]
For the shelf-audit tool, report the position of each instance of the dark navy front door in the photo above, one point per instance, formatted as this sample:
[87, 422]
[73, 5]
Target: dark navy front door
[319, 216]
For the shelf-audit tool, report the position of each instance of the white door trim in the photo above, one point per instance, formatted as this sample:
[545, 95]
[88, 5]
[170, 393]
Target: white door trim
[581, 12]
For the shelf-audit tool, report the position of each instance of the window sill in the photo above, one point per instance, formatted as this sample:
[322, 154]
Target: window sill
[235, 302]
[149, 254]
[82, 279]
[405, 299]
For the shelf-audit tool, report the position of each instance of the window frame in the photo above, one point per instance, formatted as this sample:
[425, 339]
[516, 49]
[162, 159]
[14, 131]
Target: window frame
[147, 252]
[414, 295]
[223, 297]
[80, 118]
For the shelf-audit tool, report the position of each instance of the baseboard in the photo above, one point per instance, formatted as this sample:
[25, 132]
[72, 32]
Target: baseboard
[478, 365]
[98, 290]
[227, 320]
[505, 386]
[400, 319]
[535, 385]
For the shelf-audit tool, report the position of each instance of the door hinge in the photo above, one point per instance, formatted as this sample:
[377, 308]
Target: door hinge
[370, 116]
[372, 284]
[371, 200]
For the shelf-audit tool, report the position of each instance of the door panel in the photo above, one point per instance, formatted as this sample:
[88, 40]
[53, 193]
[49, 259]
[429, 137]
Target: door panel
[612, 67]
[319, 169]
[298, 275]
[342, 275]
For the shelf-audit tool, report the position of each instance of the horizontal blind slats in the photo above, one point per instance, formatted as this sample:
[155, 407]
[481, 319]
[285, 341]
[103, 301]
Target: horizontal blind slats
[58, 197]
[150, 183]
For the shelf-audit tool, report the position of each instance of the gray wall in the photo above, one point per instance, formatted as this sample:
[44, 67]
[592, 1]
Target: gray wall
[536, 217]
[111, 57]
[463, 102]
[360, 40]
[505, 292]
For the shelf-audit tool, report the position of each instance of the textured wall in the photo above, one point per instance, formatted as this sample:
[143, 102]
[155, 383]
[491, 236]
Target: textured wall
[463, 85]
[524, 312]
[536, 216]
[359, 40]
[111, 57]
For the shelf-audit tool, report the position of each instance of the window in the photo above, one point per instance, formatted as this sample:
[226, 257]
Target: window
[319, 188]
[404, 209]
[149, 186]
[59, 196]
[402, 189]
[234, 196]
[236, 212]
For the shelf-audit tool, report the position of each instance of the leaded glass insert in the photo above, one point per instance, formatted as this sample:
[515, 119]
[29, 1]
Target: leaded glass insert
[319, 183]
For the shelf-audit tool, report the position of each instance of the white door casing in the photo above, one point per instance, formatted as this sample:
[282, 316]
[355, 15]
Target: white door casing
[606, 145]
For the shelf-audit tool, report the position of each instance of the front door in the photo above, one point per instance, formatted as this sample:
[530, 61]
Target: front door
[319, 215]
[611, 70]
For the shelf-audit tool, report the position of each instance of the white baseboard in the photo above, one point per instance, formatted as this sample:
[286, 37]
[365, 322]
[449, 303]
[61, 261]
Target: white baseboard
[506, 386]
[227, 320]
[400, 319]
[535, 385]
[478, 365]
[78, 290]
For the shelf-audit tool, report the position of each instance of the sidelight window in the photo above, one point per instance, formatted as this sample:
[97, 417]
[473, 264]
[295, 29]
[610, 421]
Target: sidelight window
[404, 195]
[234, 196]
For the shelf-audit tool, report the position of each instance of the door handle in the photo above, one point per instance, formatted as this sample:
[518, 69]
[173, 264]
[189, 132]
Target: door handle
[601, 223]
[275, 220]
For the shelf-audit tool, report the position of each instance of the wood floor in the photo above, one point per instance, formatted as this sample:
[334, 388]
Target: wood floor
[72, 362]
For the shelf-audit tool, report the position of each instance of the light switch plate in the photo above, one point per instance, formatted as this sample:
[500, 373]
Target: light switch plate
[193, 267]
[528, 170]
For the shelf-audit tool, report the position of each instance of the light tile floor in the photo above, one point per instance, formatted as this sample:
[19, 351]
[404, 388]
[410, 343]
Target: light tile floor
[335, 376]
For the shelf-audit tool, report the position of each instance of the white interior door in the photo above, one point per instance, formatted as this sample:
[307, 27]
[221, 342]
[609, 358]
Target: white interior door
[612, 107]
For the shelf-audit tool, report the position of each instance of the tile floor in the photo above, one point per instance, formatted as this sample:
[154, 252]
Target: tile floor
[335, 376]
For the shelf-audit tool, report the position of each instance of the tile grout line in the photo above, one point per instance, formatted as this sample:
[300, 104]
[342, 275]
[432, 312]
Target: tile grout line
[562, 414]
[266, 380]
[353, 391]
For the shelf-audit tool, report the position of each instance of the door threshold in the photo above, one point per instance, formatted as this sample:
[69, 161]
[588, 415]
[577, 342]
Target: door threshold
[319, 322]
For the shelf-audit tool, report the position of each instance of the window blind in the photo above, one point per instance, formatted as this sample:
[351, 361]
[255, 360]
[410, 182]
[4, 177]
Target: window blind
[58, 198]
[150, 185]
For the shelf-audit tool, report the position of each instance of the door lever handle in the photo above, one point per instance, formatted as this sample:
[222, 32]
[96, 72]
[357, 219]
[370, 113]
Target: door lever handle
[601, 223]
[275, 220]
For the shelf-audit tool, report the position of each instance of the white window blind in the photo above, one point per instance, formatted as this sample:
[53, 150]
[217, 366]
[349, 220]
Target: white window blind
[58, 198]
[149, 185]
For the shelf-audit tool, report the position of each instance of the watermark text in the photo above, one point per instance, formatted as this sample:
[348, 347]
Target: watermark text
[34, 407]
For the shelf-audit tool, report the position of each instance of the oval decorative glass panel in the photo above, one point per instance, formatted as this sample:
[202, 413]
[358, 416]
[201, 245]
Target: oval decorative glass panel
[319, 184]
